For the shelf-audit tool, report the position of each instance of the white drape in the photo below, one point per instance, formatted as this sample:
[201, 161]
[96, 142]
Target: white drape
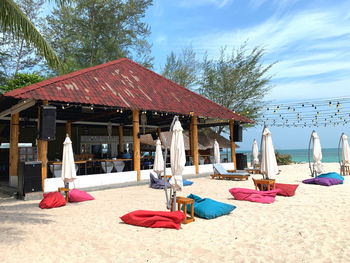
[317, 153]
[268, 159]
[158, 165]
[255, 154]
[177, 156]
[68, 165]
[216, 152]
[345, 150]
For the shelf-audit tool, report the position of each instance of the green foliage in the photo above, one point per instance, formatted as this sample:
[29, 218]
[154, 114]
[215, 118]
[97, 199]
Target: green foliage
[87, 33]
[17, 54]
[183, 69]
[238, 81]
[21, 80]
[283, 159]
[15, 22]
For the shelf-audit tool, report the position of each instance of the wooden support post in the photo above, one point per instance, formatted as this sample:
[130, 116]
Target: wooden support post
[159, 132]
[191, 139]
[14, 134]
[42, 151]
[136, 142]
[69, 129]
[195, 143]
[233, 146]
[120, 132]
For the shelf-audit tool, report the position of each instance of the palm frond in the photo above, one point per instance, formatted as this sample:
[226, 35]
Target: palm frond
[14, 21]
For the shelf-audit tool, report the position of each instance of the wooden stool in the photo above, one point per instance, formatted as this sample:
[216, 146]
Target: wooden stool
[345, 170]
[66, 190]
[261, 183]
[186, 201]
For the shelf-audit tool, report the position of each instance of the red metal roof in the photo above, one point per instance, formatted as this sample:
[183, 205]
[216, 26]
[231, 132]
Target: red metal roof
[126, 84]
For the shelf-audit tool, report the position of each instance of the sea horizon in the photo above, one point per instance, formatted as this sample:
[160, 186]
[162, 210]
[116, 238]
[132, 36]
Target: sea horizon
[329, 155]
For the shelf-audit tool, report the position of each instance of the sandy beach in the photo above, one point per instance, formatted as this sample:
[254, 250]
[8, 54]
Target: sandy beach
[312, 226]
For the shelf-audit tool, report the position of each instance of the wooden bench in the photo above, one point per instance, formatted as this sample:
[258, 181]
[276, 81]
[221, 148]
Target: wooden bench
[229, 176]
[66, 190]
[186, 201]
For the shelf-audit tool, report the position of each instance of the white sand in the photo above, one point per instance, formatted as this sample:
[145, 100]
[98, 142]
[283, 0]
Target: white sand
[312, 226]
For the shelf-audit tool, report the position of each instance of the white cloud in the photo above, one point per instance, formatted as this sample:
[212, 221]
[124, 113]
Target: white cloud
[161, 39]
[307, 45]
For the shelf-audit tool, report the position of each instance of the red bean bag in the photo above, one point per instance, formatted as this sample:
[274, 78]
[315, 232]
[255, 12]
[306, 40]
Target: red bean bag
[286, 189]
[265, 197]
[154, 219]
[51, 200]
[76, 195]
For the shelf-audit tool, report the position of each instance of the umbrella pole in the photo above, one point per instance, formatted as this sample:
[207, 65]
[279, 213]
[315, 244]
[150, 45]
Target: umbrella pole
[169, 203]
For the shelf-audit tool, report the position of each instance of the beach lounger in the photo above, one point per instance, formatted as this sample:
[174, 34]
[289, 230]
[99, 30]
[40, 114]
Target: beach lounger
[221, 173]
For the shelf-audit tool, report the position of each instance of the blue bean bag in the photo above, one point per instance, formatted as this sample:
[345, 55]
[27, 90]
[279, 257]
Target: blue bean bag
[208, 208]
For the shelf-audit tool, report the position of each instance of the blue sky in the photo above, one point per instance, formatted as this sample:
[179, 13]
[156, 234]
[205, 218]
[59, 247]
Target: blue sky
[309, 40]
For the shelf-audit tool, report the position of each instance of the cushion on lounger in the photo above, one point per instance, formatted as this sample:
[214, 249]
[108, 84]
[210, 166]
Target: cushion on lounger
[76, 195]
[265, 197]
[286, 189]
[208, 208]
[154, 219]
[186, 182]
[51, 200]
[327, 179]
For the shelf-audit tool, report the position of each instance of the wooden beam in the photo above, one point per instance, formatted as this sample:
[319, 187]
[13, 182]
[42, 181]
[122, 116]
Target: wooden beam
[14, 133]
[120, 133]
[136, 142]
[69, 129]
[233, 146]
[159, 132]
[42, 151]
[195, 143]
[191, 139]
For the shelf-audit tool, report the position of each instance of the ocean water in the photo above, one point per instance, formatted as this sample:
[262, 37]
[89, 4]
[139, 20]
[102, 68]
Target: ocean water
[329, 155]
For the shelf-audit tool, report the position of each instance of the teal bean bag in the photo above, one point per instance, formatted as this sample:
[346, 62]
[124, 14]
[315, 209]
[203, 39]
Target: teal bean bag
[208, 208]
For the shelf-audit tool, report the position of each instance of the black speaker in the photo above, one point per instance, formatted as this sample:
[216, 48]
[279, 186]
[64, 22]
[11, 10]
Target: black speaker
[47, 123]
[154, 136]
[241, 161]
[237, 133]
[29, 177]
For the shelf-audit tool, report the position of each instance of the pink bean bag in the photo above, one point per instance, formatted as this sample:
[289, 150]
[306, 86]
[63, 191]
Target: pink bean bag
[76, 195]
[265, 197]
[154, 219]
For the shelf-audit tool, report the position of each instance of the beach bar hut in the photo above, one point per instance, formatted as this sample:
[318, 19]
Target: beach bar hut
[118, 97]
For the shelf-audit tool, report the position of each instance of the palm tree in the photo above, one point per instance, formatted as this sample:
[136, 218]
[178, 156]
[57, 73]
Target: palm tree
[14, 21]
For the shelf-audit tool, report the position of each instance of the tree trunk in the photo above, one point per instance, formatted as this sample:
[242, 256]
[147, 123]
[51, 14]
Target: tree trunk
[19, 57]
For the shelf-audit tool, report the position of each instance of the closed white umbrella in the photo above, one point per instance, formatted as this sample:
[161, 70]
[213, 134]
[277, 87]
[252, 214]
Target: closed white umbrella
[345, 150]
[216, 152]
[158, 165]
[177, 156]
[68, 165]
[317, 153]
[255, 154]
[268, 158]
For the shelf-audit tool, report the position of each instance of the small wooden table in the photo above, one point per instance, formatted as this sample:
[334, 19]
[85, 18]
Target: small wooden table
[66, 190]
[186, 201]
[344, 170]
[263, 184]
